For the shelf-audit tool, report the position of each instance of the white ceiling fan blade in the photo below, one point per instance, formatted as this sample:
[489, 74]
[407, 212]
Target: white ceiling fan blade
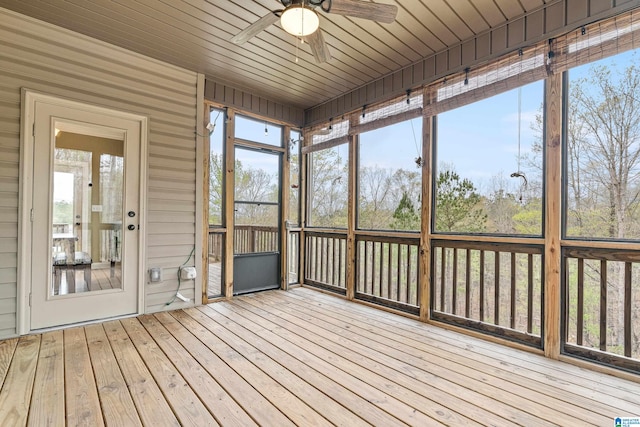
[258, 26]
[318, 46]
[385, 13]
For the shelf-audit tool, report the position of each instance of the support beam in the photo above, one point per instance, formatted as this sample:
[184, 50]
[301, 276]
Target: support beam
[229, 184]
[284, 214]
[553, 198]
[424, 255]
[352, 195]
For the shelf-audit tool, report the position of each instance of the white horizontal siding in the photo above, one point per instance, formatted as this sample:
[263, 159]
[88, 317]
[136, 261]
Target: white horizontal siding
[49, 59]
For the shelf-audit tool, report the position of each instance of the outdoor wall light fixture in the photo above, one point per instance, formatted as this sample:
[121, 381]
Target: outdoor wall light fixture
[299, 20]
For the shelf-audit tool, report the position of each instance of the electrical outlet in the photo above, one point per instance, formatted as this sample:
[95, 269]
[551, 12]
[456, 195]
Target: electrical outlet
[155, 274]
[187, 273]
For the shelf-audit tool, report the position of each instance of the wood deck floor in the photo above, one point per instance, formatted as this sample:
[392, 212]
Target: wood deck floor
[292, 358]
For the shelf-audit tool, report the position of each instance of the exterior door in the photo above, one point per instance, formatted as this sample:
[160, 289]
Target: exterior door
[85, 215]
[256, 264]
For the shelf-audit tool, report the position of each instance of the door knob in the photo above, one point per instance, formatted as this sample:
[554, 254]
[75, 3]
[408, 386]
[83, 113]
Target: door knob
[131, 227]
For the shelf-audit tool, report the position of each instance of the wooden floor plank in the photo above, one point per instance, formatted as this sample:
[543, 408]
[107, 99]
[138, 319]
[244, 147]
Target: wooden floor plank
[81, 395]
[448, 365]
[616, 394]
[300, 357]
[280, 371]
[447, 407]
[290, 356]
[185, 403]
[479, 366]
[15, 395]
[398, 367]
[116, 402]
[7, 348]
[48, 401]
[226, 410]
[404, 401]
[151, 405]
[256, 405]
[294, 408]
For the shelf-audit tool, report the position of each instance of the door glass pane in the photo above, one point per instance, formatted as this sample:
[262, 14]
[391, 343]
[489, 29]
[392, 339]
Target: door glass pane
[87, 211]
[257, 194]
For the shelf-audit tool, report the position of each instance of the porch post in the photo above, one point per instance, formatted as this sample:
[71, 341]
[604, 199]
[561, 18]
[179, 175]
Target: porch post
[351, 218]
[284, 215]
[552, 226]
[229, 207]
[424, 254]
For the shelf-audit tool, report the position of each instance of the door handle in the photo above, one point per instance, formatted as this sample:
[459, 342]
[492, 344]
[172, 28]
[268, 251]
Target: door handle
[131, 227]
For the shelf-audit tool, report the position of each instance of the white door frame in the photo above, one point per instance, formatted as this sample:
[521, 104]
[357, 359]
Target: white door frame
[27, 123]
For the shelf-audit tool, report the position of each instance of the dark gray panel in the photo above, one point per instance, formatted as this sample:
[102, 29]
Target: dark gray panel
[469, 51]
[555, 17]
[256, 272]
[498, 40]
[483, 46]
[577, 10]
[516, 33]
[455, 57]
[535, 25]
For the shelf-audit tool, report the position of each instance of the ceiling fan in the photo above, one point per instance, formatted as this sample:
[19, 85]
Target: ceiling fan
[300, 19]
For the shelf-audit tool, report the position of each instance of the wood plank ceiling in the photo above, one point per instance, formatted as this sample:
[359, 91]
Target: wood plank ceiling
[195, 34]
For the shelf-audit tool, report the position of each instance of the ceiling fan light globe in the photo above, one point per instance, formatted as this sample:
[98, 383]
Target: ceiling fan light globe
[299, 21]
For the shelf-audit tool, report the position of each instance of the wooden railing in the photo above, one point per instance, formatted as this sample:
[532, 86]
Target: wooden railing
[492, 287]
[326, 256]
[253, 238]
[387, 271]
[602, 296]
[293, 261]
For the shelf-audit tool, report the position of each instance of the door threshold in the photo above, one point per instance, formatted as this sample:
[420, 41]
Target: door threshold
[74, 325]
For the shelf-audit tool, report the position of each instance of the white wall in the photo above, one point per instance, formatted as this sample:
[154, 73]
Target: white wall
[49, 59]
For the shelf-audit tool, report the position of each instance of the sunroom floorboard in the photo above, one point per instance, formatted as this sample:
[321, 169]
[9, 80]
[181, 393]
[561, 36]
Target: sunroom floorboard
[300, 357]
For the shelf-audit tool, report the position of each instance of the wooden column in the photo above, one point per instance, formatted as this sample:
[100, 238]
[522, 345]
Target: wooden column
[553, 198]
[229, 207]
[206, 154]
[424, 255]
[351, 218]
[302, 200]
[284, 215]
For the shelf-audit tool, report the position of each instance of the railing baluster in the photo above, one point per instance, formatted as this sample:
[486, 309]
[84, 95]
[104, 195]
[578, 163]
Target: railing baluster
[467, 285]
[580, 309]
[443, 277]
[496, 289]
[399, 270]
[603, 305]
[389, 270]
[366, 269]
[408, 287]
[343, 281]
[627, 309]
[530, 293]
[454, 282]
[481, 287]
[513, 291]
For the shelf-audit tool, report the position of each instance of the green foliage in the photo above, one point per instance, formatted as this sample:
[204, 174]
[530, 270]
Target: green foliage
[62, 212]
[458, 204]
[405, 216]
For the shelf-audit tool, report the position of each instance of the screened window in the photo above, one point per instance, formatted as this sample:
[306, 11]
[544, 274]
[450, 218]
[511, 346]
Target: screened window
[258, 131]
[488, 171]
[602, 137]
[389, 177]
[295, 142]
[328, 170]
[216, 162]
